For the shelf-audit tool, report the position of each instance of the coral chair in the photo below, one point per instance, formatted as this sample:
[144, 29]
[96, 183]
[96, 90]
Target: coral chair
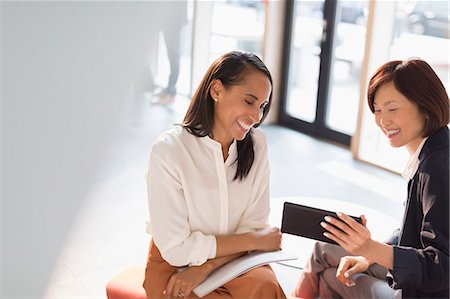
[127, 284]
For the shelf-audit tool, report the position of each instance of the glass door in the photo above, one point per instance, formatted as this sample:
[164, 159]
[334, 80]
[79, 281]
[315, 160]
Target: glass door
[306, 38]
[324, 48]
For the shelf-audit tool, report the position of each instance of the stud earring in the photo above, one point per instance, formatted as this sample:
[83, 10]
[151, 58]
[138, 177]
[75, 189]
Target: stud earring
[216, 100]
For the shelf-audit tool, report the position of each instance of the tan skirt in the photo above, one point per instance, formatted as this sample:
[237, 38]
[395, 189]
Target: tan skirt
[259, 283]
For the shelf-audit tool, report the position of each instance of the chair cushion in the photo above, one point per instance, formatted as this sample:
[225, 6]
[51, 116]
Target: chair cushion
[127, 284]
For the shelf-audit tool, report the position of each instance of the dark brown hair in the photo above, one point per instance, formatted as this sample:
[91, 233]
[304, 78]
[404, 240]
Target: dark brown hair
[416, 80]
[231, 69]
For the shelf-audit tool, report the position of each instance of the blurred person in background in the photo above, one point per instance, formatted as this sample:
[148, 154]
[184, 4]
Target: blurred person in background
[171, 30]
[170, 20]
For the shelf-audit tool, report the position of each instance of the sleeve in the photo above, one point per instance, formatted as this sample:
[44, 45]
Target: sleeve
[427, 268]
[256, 214]
[169, 223]
[393, 239]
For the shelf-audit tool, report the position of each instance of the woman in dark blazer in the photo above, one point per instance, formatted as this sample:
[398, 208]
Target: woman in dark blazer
[411, 107]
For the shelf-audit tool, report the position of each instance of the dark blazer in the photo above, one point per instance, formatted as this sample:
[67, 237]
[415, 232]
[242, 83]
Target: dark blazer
[421, 246]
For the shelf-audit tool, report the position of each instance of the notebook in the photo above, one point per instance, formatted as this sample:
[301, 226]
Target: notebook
[233, 269]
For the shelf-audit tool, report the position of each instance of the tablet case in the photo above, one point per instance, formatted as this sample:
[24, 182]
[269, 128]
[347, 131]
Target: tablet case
[305, 221]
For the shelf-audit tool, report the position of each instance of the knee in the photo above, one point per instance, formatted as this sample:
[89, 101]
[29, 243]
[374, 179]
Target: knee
[320, 251]
[327, 255]
[263, 279]
[329, 276]
[323, 248]
[329, 286]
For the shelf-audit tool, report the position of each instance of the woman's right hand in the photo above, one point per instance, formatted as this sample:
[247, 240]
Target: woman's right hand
[182, 283]
[267, 239]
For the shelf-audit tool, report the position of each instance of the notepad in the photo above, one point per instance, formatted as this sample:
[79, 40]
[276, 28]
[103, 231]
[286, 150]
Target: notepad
[239, 266]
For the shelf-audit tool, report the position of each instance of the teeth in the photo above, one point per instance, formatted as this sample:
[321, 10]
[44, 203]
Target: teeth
[392, 132]
[244, 125]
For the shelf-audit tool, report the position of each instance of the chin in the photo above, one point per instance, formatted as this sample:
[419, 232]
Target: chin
[240, 137]
[395, 144]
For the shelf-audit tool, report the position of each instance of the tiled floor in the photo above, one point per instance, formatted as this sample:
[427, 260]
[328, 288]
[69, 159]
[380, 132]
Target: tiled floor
[109, 233]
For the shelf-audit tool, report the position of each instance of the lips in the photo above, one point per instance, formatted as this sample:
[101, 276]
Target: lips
[245, 125]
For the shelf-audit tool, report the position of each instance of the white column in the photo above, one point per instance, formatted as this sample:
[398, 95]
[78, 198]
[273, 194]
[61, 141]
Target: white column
[201, 34]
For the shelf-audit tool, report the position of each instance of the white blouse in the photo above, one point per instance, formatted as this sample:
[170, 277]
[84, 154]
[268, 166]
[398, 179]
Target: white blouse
[413, 162]
[193, 198]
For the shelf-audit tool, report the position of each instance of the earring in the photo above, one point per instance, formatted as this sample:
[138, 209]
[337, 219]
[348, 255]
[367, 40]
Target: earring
[216, 100]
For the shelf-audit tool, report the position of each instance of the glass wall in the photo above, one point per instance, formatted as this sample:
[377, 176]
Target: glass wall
[237, 25]
[348, 49]
[223, 26]
[422, 30]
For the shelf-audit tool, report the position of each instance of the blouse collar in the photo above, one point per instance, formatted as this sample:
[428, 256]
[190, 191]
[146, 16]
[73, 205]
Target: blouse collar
[216, 144]
[413, 163]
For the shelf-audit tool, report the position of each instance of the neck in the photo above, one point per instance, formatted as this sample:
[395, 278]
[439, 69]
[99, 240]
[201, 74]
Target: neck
[225, 145]
[413, 146]
[223, 140]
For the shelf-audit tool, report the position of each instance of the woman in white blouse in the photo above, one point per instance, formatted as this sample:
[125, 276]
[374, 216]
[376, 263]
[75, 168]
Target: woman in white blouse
[208, 186]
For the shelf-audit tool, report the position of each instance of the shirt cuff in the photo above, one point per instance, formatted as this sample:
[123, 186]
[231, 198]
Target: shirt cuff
[406, 272]
[213, 249]
[204, 250]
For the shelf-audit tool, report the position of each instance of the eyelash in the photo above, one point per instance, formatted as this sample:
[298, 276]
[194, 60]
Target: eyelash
[390, 110]
[251, 103]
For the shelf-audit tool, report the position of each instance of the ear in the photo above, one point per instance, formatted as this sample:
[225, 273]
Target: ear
[216, 89]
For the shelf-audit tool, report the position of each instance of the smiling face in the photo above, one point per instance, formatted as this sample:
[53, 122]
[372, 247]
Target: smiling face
[399, 119]
[239, 107]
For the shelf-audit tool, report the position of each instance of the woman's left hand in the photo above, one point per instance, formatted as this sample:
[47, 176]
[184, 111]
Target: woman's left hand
[350, 265]
[181, 283]
[353, 236]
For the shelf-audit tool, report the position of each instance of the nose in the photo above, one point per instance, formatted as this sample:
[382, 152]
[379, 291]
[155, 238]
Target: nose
[384, 120]
[256, 116]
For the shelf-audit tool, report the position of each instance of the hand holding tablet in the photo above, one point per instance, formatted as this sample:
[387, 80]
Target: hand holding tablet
[305, 221]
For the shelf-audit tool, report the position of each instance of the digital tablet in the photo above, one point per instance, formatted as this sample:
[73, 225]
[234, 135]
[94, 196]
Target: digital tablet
[305, 221]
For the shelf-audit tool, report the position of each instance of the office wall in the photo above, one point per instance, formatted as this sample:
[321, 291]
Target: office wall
[67, 68]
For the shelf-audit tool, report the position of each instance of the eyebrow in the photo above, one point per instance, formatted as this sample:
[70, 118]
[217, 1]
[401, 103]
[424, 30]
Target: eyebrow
[385, 104]
[251, 95]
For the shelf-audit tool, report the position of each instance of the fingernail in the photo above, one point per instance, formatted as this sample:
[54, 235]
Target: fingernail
[346, 275]
[327, 218]
[323, 224]
[339, 213]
